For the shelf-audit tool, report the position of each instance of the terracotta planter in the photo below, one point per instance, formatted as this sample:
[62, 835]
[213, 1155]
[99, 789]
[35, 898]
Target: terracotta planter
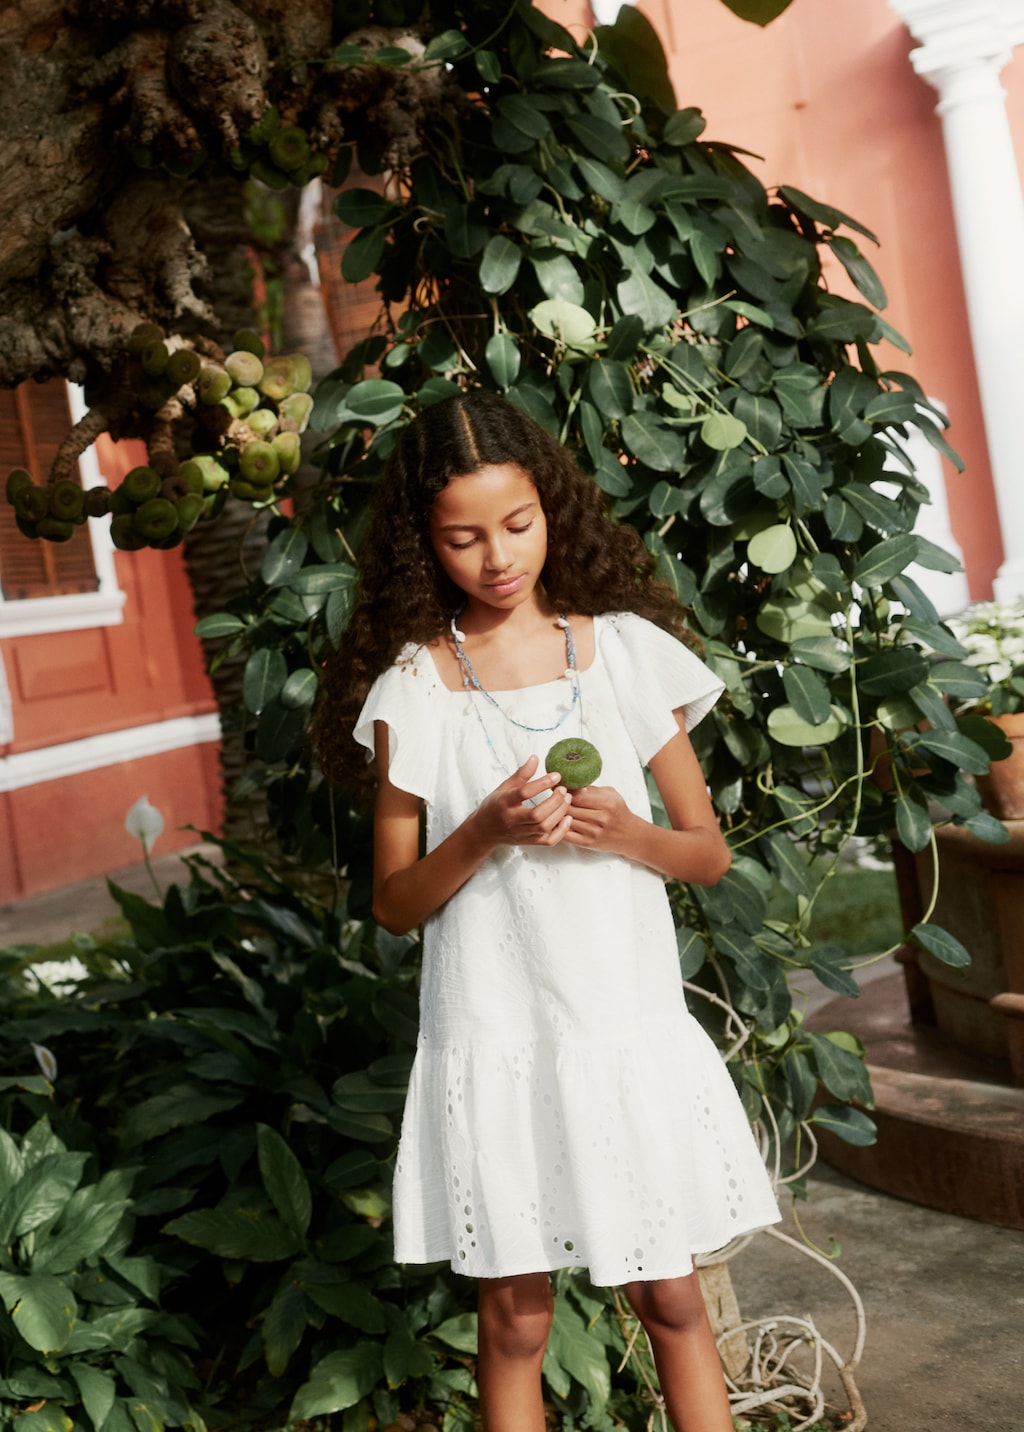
[1002, 789]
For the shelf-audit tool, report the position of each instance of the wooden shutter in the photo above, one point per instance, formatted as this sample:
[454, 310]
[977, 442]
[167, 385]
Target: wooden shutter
[34, 419]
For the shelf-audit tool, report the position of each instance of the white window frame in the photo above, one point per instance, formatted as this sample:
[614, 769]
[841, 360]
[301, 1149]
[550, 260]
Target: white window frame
[74, 611]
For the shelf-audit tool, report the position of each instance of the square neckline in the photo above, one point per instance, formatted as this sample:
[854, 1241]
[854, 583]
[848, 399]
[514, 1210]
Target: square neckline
[517, 690]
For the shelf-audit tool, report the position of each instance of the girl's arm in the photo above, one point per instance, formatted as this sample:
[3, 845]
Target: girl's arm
[407, 887]
[694, 850]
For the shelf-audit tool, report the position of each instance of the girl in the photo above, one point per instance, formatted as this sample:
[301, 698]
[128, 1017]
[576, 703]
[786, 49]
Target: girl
[565, 1109]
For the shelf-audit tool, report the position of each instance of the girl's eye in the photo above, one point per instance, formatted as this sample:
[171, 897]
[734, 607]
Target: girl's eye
[519, 530]
[461, 546]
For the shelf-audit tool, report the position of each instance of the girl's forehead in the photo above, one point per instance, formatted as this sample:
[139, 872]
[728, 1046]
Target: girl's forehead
[495, 487]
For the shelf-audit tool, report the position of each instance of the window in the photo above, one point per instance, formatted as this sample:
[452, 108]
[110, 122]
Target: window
[50, 586]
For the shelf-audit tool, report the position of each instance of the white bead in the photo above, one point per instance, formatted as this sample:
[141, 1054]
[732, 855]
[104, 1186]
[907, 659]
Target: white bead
[570, 672]
[561, 621]
[458, 635]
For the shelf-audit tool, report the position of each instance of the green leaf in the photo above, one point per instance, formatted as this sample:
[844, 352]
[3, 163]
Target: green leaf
[842, 322]
[392, 56]
[362, 208]
[42, 1192]
[823, 214]
[957, 748]
[786, 726]
[692, 952]
[284, 1325]
[624, 338]
[88, 1224]
[807, 694]
[219, 624]
[97, 1390]
[913, 822]
[339, 1380]
[941, 944]
[299, 691]
[404, 1355]
[655, 444]
[863, 275]
[887, 559]
[831, 964]
[446, 46]
[503, 359]
[640, 296]
[42, 1308]
[853, 1126]
[603, 140]
[722, 431]
[598, 177]
[488, 66]
[284, 1180]
[773, 549]
[788, 863]
[236, 1233]
[330, 577]
[824, 653]
[573, 1347]
[892, 672]
[459, 1332]
[284, 556]
[375, 400]
[609, 388]
[761, 417]
[265, 673]
[363, 254]
[351, 1302]
[523, 113]
[568, 322]
[841, 1071]
[499, 265]
[465, 230]
[683, 127]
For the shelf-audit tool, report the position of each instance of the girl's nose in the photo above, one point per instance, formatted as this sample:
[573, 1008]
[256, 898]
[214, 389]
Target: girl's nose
[497, 557]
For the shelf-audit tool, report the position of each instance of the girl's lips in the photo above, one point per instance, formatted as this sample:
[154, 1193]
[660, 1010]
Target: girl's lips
[504, 589]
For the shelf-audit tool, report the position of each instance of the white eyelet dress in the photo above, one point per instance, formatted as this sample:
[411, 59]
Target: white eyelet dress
[565, 1108]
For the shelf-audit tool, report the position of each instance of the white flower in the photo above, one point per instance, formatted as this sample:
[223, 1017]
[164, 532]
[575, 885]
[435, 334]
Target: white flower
[145, 822]
[46, 1061]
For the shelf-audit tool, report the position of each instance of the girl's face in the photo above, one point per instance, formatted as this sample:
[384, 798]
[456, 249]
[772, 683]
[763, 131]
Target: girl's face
[490, 536]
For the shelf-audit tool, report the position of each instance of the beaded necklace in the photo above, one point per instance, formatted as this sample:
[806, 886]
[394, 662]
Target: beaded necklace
[471, 681]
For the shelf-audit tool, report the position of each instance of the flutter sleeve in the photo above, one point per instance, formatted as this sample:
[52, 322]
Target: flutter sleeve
[653, 675]
[405, 698]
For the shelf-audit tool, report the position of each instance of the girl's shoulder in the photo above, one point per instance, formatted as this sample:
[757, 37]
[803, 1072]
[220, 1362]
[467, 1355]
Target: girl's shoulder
[654, 673]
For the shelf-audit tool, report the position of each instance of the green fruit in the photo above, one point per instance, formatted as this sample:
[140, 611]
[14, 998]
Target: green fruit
[66, 500]
[289, 148]
[303, 371]
[27, 529]
[214, 384]
[141, 484]
[296, 409]
[189, 509]
[154, 358]
[183, 366]
[245, 368]
[155, 519]
[215, 475]
[123, 533]
[270, 175]
[32, 503]
[154, 395]
[120, 503]
[17, 480]
[245, 399]
[262, 421]
[191, 474]
[280, 377]
[97, 501]
[578, 762]
[249, 340]
[142, 334]
[54, 530]
[215, 502]
[251, 491]
[259, 463]
[289, 451]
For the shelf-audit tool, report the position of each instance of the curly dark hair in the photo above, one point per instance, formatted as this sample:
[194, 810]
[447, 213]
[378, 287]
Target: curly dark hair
[593, 564]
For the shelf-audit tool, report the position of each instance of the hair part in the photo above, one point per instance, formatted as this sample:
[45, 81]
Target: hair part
[593, 563]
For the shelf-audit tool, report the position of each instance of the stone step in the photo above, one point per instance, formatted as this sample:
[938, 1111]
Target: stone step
[950, 1127]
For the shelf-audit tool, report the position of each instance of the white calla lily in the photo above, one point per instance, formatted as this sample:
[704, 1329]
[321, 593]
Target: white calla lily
[145, 822]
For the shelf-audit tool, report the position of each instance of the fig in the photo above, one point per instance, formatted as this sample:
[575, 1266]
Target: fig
[32, 503]
[183, 366]
[27, 529]
[123, 533]
[289, 451]
[266, 126]
[296, 408]
[289, 148]
[54, 530]
[270, 175]
[578, 762]
[17, 480]
[142, 334]
[280, 377]
[249, 340]
[156, 519]
[66, 500]
[259, 463]
[244, 400]
[262, 421]
[214, 383]
[214, 474]
[251, 491]
[120, 503]
[245, 368]
[191, 474]
[141, 484]
[189, 509]
[303, 371]
[154, 358]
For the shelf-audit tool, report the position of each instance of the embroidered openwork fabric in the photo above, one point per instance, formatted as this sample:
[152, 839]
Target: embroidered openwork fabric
[565, 1108]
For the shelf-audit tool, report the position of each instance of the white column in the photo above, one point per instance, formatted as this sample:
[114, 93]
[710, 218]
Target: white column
[964, 46]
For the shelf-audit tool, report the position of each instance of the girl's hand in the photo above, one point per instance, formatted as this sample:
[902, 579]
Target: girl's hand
[504, 819]
[601, 820]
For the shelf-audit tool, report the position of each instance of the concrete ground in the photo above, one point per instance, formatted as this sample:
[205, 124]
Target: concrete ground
[943, 1295]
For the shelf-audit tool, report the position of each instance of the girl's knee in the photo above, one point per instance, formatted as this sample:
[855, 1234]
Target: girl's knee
[672, 1305]
[515, 1315]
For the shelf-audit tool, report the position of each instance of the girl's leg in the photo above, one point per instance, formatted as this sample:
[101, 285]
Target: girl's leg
[515, 1319]
[689, 1370]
